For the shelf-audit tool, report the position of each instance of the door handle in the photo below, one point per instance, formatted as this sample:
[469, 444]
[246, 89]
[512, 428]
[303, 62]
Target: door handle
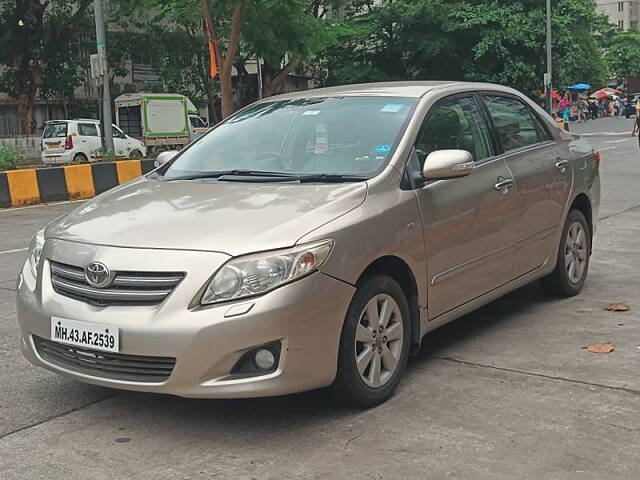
[562, 165]
[504, 184]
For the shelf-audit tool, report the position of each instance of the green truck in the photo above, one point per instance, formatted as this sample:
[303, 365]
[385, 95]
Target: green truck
[163, 121]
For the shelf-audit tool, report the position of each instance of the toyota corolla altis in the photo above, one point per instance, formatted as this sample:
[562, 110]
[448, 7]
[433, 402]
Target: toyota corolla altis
[311, 240]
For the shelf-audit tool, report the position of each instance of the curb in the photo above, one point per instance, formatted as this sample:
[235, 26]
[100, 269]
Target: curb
[69, 182]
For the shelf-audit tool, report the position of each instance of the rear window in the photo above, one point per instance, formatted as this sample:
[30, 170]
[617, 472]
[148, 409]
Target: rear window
[55, 130]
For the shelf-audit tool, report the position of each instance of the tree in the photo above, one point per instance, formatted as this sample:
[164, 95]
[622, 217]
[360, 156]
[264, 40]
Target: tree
[623, 54]
[499, 41]
[225, 60]
[287, 33]
[35, 35]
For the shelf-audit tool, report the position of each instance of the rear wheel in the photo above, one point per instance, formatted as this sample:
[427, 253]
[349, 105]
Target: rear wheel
[80, 158]
[572, 266]
[374, 345]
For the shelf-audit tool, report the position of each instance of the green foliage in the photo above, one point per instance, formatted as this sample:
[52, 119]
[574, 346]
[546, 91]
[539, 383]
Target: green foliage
[623, 54]
[105, 155]
[9, 158]
[499, 41]
[42, 44]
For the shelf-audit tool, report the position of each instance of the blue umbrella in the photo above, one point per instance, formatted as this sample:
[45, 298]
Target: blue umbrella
[579, 86]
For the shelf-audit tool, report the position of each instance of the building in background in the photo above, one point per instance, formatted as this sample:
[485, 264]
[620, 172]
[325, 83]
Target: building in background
[624, 14]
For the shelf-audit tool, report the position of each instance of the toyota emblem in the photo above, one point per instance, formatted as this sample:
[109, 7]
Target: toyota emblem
[97, 275]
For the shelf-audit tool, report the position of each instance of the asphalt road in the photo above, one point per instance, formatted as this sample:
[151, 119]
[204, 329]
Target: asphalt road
[507, 392]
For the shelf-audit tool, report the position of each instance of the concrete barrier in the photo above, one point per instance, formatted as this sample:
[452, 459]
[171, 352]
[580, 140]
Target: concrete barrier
[69, 182]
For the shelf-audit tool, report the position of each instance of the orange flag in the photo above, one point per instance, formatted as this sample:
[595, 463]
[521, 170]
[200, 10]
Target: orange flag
[212, 48]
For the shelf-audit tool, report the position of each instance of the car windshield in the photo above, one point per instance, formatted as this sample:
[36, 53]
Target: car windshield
[55, 130]
[350, 136]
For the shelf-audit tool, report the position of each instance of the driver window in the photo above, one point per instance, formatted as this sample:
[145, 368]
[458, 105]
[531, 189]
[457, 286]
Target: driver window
[455, 124]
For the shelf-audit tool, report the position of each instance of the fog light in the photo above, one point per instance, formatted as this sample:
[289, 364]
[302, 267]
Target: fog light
[264, 359]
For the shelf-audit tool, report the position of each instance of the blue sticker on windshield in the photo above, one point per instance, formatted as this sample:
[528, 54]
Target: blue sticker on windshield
[382, 149]
[392, 107]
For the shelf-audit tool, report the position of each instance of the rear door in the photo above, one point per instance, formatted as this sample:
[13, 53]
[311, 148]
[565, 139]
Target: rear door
[468, 222]
[88, 138]
[542, 171]
[54, 137]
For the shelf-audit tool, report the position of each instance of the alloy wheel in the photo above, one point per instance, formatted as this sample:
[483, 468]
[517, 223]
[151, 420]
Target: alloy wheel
[379, 341]
[575, 252]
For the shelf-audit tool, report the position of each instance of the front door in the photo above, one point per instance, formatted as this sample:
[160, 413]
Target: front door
[468, 222]
[120, 143]
[543, 175]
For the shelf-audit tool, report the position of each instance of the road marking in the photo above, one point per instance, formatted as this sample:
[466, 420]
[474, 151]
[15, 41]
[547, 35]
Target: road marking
[16, 250]
[606, 134]
[617, 141]
[607, 148]
[52, 204]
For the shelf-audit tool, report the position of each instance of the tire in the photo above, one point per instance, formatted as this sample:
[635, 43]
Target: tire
[363, 391]
[563, 282]
[135, 154]
[80, 158]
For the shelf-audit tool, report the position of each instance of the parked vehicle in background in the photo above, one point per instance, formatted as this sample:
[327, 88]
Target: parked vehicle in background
[79, 141]
[630, 105]
[312, 239]
[163, 121]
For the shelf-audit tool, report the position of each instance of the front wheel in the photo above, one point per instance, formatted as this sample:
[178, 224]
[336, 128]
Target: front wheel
[374, 345]
[572, 266]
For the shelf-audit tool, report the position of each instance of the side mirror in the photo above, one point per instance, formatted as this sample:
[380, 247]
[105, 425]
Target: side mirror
[445, 164]
[164, 157]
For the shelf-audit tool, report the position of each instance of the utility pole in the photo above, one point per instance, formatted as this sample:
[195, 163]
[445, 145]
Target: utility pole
[105, 121]
[548, 77]
[259, 76]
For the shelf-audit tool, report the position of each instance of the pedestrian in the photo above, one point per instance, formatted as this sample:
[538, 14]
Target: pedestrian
[583, 110]
[593, 108]
[636, 123]
[564, 105]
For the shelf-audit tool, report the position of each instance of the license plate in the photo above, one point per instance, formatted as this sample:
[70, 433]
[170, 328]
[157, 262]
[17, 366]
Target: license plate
[51, 146]
[95, 336]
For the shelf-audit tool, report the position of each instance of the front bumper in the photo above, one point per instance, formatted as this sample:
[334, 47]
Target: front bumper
[305, 316]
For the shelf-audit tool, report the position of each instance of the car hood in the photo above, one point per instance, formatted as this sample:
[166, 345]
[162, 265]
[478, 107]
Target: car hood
[230, 217]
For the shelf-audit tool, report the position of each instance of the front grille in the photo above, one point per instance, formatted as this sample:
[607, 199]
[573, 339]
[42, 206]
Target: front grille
[127, 288]
[115, 366]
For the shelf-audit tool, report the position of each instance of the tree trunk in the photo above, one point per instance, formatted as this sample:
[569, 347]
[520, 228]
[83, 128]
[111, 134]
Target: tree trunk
[26, 109]
[271, 82]
[225, 64]
[211, 107]
[226, 84]
[65, 105]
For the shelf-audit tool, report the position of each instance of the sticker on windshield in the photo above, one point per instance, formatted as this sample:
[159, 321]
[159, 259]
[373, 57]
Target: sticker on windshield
[382, 149]
[322, 138]
[311, 112]
[392, 107]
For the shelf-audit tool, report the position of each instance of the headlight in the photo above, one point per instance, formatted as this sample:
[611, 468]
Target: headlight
[260, 273]
[35, 252]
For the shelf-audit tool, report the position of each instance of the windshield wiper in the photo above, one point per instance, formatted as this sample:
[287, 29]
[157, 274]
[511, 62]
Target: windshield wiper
[329, 177]
[228, 173]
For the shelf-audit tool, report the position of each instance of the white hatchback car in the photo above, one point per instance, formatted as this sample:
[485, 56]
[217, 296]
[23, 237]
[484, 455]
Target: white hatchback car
[76, 141]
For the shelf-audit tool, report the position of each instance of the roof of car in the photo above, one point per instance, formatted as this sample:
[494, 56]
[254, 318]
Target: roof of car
[409, 89]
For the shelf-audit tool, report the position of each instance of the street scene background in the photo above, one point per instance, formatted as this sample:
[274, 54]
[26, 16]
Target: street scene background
[509, 391]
